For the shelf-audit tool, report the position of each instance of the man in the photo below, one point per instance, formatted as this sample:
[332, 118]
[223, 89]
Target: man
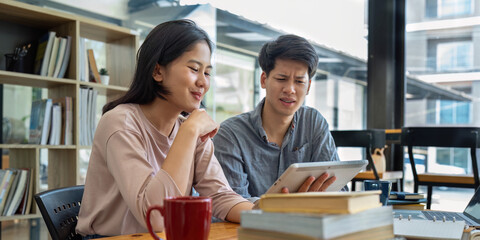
[255, 148]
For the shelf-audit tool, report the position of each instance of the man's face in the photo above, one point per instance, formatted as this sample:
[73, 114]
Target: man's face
[286, 87]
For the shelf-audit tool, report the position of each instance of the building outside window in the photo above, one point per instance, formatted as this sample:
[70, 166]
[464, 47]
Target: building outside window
[454, 56]
[442, 52]
[234, 83]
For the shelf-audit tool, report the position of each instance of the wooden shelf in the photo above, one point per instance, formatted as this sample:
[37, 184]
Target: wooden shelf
[35, 146]
[20, 217]
[105, 89]
[32, 80]
[27, 23]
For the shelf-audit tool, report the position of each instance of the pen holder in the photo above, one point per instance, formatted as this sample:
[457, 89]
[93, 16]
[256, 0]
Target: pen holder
[14, 64]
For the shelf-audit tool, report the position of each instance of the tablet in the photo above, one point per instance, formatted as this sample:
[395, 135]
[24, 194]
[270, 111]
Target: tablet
[297, 173]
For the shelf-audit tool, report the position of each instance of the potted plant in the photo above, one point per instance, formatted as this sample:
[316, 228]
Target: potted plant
[104, 78]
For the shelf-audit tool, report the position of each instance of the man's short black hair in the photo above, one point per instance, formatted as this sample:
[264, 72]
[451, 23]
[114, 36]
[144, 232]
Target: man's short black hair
[288, 47]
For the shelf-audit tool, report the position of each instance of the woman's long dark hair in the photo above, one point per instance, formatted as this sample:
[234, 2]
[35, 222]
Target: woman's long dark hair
[164, 43]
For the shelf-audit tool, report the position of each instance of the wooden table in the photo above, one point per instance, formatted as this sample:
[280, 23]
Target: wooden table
[388, 175]
[218, 231]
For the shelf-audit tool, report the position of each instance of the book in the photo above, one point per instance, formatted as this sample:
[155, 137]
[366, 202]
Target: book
[53, 57]
[18, 194]
[94, 76]
[68, 114]
[44, 49]
[36, 122]
[66, 59]
[320, 202]
[6, 185]
[379, 233]
[23, 203]
[61, 54]
[405, 195]
[31, 186]
[11, 192]
[81, 60]
[319, 226]
[56, 124]
[46, 121]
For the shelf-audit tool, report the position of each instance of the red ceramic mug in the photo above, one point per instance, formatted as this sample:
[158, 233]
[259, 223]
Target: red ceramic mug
[184, 218]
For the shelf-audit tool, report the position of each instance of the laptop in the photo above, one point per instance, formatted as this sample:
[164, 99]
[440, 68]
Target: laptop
[471, 214]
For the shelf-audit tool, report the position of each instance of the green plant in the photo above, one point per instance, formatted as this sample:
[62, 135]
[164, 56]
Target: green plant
[103, 71]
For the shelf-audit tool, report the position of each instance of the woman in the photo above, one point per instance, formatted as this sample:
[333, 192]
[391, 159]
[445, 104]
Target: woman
[143, 151]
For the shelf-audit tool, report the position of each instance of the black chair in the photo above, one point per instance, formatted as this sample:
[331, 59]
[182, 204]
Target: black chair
[368, 139]
[59, 209]
[452, 137]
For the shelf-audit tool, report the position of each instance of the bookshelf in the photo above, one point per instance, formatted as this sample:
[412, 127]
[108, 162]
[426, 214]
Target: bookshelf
[21, 23]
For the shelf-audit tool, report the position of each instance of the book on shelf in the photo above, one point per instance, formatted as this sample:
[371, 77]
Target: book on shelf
[68, 135]
[405, 195]
[88, 102]
[53, 57]
[66, 58]
[60, 55]
[13, 188]
[18, 193]
[320, 202]
[56, 124]
[81, 61]
[94, 75]
[47, 121]
[31, 187]
[64, 116]
[379, 233]
[42, 57]
[5, 187]
[318, 226]
[23, 208]
[40, 116]
[37, 113]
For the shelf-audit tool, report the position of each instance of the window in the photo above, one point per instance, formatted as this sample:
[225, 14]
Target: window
[454, 56]
[233, 90]
[440, 61]
[448, 8]
[451, 8]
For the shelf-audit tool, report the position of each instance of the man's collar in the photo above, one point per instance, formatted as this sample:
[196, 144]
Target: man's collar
[256, 119]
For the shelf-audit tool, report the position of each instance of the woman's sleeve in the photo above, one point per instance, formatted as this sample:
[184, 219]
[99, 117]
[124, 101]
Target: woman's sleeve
[210, 181]
[140, 183]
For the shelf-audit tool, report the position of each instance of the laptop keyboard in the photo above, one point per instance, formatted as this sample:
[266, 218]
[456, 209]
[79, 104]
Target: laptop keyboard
[448, 216]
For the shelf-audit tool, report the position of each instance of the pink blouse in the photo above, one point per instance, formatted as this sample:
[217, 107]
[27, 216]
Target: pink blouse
[125, 176]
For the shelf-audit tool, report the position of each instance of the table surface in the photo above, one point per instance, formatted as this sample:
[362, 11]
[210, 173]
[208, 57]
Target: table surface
[218, 231]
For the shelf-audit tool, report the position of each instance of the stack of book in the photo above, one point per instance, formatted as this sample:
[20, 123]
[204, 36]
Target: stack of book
[406, 200]
[321, 215]
[53, 55]
[16, 191]
[88, 115]
[51, 122]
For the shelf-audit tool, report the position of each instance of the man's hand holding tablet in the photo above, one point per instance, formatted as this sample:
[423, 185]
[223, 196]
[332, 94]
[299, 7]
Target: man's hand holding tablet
[332, 176]
[312, 185]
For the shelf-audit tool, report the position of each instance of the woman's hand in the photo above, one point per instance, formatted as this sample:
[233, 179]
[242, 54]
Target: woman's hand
[202, 123]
